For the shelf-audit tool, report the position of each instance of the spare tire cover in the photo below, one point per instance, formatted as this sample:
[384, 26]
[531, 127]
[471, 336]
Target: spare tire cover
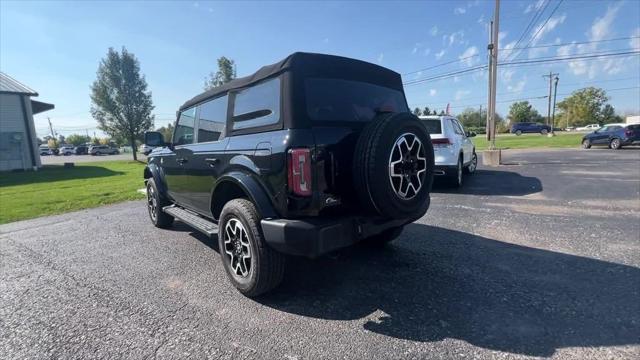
[393, 166]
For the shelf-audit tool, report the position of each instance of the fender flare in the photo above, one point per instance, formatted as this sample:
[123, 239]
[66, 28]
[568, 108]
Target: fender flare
[156, 173]
[252, 188]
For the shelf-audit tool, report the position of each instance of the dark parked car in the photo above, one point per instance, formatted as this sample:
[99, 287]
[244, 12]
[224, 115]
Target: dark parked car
[615, 136]
[103, 150]
[529, 127]
[81, 150]
[308, 155]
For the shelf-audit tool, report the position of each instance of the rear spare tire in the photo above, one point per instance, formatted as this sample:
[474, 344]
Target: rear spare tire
[393, 166]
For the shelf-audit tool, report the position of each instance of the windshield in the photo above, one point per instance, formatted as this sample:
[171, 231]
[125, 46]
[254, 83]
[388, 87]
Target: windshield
[346, 100]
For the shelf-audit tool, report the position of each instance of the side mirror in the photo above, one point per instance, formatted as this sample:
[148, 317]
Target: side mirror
[471, 134]
[154, 138]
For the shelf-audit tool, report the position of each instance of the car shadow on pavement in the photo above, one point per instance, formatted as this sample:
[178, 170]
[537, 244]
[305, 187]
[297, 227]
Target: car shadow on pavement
[436, 283]
[491, 183]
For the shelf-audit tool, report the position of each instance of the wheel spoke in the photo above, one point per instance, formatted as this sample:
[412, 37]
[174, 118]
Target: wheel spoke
[407, 166]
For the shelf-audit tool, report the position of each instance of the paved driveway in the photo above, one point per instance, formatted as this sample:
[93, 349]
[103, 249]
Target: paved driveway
[537, 258]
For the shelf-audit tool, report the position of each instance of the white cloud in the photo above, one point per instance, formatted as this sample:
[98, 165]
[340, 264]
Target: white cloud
[535, 6]
[507, 74]
[426, 51]
[453, 38]
[380, 58]
[518, 87]
[635, 43]
[456, 79]
[459, 10]
[415, 50]
[541, 31]
[440, 54]
[501, 36]
[432, 92]
[480, 19]
[434, 30]
[469, 57]
[601, 27]
[460, 94]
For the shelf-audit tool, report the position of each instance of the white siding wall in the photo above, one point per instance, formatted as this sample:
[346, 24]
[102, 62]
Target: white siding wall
[12, 121]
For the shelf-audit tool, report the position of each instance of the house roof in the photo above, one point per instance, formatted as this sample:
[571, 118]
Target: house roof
[13, 86]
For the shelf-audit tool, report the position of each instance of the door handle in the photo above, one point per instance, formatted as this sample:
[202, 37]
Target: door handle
[181, 160]
[212, 161]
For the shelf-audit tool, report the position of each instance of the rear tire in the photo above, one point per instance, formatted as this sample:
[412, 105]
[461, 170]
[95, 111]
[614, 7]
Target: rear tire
[615, 144]
[240, 239]
[155, 203]
[586, 144]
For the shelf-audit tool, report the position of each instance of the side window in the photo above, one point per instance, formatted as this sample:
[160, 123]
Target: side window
[460, 127]
[184, 129]
[456, 127]
[212, 119]
[258, 105]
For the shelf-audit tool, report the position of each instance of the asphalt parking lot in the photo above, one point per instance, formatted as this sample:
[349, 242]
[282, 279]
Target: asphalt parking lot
[539, 257]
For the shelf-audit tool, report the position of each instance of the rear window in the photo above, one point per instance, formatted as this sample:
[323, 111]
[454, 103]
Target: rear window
[434, 126]
[345, 100]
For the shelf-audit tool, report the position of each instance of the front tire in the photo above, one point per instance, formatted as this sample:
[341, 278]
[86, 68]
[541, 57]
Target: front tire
[155, 203]
[473, 165]
[251, 265]
[615, 144]
[544, 131]
[518, 132]
[455, 178]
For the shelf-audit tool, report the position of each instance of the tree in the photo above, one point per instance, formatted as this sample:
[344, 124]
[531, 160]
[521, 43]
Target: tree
[522, 111]
[442, 112]
[584, 106]
[121, 103]
[473, 118]
[226, 72]
[167, 132]
[416, 111]
[75, 139]
[609, 115]
[426, 111]
[435, 112]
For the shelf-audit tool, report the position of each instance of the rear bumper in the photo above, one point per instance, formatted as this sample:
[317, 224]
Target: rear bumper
[631, 142]
[312, 237]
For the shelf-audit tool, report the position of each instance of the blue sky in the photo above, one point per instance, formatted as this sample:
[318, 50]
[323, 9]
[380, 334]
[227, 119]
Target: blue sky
[55, 47]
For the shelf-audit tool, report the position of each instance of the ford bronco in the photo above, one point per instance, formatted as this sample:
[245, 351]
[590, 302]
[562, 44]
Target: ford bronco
[303, 157]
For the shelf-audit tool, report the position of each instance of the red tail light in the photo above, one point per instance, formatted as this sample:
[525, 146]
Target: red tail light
[299, 174]
[441, 142]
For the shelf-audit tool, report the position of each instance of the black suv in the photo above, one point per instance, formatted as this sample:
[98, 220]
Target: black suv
[308, 155]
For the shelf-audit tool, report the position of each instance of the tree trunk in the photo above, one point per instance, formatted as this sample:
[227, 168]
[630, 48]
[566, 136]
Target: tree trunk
[133, 148]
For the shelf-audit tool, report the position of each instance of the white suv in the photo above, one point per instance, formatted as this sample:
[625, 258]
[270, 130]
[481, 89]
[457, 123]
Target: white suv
[452, 148]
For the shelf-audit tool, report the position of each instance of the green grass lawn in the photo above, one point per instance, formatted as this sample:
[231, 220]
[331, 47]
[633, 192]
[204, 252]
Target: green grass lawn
[54, 189]
[510, 141]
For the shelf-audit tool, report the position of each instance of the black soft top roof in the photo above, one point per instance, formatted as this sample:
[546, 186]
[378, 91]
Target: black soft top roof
[310, 65]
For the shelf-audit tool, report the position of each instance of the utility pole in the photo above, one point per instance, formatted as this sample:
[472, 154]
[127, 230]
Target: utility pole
[555, 93]
[492, 156]
[494, 72]
[490, 69]
[550, 76]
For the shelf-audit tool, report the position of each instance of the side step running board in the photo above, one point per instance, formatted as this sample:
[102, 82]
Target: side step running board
[199, 223]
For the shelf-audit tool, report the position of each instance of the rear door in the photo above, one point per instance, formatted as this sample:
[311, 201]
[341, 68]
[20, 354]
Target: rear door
[207, 156]
[459, 138]
[467, 145]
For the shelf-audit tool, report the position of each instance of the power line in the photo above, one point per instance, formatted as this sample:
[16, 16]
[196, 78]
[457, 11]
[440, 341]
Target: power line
[523, 63]
[539, 29]
[571, 43]
[442, 64]
[533, 20]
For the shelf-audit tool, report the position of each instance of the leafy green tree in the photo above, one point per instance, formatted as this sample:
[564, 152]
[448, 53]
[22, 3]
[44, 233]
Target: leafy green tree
[584, 106]
[121, 103]
[76, 139]
[434, 112]
[426, 111]
[473, 118]
[226, 72]
[522, 111]
[417, 111]
[442, 112]
[609, 115]
[167, 132]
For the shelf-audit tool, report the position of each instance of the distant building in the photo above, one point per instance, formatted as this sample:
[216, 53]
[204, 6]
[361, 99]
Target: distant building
[18, 143]
[633, 119]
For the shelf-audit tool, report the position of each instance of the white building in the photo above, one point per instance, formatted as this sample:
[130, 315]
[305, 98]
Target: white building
[633, 119]
[18, 142]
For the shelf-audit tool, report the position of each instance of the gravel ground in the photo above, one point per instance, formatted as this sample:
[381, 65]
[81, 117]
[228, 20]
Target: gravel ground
[537, 258]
